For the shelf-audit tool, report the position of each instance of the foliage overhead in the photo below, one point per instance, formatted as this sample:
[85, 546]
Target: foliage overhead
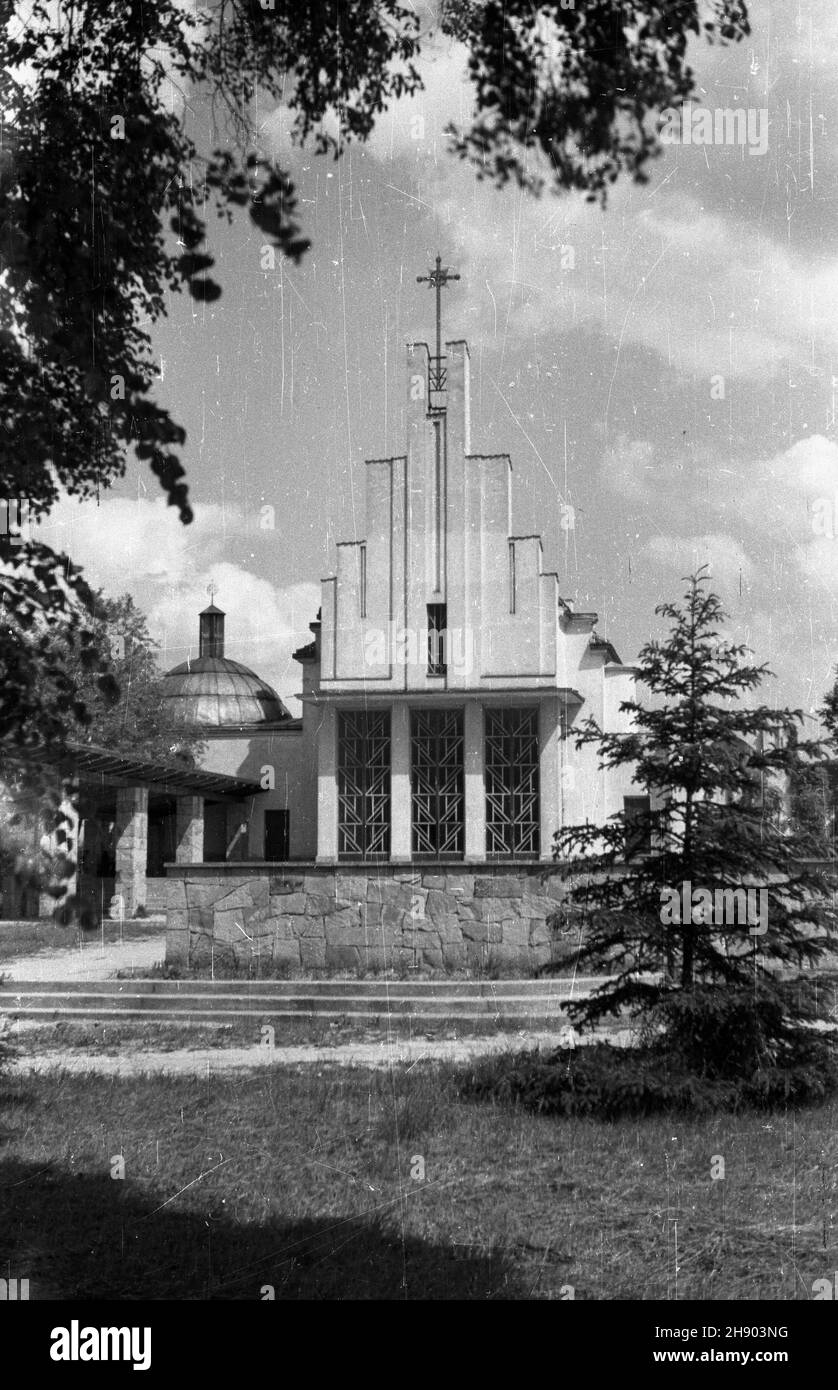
[105, 198]
[104, 195]
[109, 692]
[577, 84]
[129, 717]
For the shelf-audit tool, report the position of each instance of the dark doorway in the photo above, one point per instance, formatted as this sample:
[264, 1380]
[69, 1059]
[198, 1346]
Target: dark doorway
[162, 838]
[277, 835]
[215, 832]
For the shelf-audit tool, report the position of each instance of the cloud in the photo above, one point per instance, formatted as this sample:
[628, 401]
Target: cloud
[414, 127]
[727, 562]
[263, 627]
[139, 538]
[774, 559]
[680, 269]
[628, 465]
[789, 499]
[141, 548]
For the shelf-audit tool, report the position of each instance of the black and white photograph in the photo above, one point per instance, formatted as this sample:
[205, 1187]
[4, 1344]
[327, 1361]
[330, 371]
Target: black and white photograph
[419, 667]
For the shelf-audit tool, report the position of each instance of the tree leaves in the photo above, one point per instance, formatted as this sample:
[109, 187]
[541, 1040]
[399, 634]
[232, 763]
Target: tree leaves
[568, 95]
[104, 197]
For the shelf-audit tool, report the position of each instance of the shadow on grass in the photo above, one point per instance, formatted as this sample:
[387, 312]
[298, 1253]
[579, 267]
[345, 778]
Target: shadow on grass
[78, 1236]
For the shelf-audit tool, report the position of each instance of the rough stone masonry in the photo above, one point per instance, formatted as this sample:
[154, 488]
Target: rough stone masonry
[444, 917]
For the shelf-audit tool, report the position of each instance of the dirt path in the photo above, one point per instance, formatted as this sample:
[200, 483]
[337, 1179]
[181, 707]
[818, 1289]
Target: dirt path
[207, 1061]
[90, 960]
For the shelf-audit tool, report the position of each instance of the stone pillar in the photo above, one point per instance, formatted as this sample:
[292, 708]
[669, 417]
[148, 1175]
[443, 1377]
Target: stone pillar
[401, 816]
[327, 786]
[189, 830]
[549, 772]
[475, 791]
[131, 834]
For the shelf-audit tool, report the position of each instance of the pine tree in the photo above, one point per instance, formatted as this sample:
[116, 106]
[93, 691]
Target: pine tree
[829, 719]
[718, 985]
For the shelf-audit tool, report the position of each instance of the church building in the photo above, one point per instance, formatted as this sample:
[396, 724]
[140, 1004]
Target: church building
[408, 815]
[449, 671]
[444, 677]
[440, 692]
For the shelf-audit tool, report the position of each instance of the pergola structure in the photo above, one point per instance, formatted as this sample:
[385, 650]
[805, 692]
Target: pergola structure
[131, 816]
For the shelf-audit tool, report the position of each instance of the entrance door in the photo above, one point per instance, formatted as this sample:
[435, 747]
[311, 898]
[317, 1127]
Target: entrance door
[277, 836]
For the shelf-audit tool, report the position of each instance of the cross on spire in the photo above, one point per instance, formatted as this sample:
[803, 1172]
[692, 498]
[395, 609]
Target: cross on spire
[211, 590]
[437, 279]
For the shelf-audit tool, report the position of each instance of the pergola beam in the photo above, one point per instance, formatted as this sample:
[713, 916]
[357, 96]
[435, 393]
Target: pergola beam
[83, 759]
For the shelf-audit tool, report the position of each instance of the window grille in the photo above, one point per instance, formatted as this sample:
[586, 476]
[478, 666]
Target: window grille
[437, 792]
[364, 784]
[512, 782]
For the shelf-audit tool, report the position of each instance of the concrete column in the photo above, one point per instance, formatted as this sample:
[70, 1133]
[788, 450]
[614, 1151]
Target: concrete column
[475, 791]
[327, 786]
[549, 772]
[401, 817]
[189, 830]
[131, 833]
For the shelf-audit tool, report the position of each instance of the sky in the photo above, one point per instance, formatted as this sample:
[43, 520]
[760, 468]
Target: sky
[666, 367]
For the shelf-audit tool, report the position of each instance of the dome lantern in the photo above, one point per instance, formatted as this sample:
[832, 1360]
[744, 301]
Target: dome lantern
[211, 631]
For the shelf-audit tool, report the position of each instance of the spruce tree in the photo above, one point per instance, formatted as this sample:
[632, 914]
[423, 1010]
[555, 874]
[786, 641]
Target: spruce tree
[710, 930]
[829, 788]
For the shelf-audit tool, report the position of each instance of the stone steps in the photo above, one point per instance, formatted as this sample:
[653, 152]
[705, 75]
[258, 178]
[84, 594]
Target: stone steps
[419, 989]
[513, 1002]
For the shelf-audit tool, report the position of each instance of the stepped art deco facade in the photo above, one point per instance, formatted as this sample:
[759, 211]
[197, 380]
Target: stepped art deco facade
[450, 669]
[434, 761]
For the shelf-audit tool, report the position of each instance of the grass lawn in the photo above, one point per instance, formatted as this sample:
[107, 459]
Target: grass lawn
[37, 938]
[300, 1178]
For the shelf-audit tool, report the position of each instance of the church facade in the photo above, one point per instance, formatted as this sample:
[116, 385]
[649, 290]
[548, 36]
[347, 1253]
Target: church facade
[408, 816]
[449, 671]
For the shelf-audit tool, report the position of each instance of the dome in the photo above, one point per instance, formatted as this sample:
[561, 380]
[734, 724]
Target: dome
[216, 692]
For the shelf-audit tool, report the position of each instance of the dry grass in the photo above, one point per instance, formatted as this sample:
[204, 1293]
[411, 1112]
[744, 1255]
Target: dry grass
[301, 1179]
[112, 1038]
[39, 938]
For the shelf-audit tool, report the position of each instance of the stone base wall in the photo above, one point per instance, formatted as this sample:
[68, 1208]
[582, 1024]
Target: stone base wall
[157, 894]
[448, 917]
